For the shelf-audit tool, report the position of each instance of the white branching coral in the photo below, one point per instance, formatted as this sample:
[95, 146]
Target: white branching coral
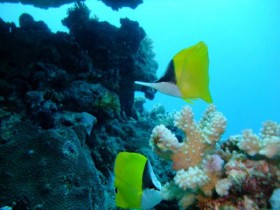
[170, 191]
[203, 164]
[270, 129]
[223, 186]
[200, 137]
[213, 124]
[163, 142]
[270, 147]
[250, 142]
[187, 200]
[192, 178]
[194, 159]
[236, 171]
[268, 144]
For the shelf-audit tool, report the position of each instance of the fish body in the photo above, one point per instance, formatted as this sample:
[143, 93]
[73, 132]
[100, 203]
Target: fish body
[187, 75]
[135, 183]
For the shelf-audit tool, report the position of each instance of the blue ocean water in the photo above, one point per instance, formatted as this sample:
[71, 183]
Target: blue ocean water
[243, 41]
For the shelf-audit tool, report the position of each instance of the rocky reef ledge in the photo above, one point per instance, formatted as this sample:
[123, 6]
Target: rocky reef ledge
[67, 108]
[45, 4]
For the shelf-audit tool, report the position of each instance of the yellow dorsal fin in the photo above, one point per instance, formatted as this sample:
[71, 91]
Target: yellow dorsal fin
[191, 71]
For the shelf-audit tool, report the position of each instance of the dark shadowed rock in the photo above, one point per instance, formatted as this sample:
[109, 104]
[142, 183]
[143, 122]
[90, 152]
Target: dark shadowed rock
[27, 22]
[50, 169]
[61, 102]
[123, 52]
[117, 4]
[114, 4]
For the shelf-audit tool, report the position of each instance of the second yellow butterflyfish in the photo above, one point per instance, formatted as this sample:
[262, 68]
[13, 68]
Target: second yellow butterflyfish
[135, 183]
[187, 75]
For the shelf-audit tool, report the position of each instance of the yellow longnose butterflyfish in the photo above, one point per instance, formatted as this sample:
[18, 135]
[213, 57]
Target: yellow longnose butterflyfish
[186, 75]
[135, 183]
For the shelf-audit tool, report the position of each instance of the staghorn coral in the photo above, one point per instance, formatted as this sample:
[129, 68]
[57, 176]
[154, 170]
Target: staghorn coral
[192, 178]
[240, 173]
[199, 141]
[252, 166]
[267, 144]
[223, 186]
[194, 160]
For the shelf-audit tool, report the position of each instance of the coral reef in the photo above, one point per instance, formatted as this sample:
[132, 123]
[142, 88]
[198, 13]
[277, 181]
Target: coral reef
[30, 170]
[66, 110]
[268, 144]
[114, 4]
[97, 61]
[199, 137]
[211, 174]
[120, 55]
[121, 3]
[40, 3]
[144, 62]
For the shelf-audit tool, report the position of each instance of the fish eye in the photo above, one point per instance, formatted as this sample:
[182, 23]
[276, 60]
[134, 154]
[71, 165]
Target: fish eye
[116, 190]
[151, 187]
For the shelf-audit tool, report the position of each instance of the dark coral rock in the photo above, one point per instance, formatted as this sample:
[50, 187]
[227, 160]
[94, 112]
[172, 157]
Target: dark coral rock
[42, 106]
[117, 4]
[115, 50]
[91, 98]
[78, 14]
[112, 137]
[131, 34]
[23, 48]
[7, 126]
[6, 27]
[109, 78]
[114, 4]
[35, 59]
[97, 37]
[72, 89]
[139, 105]
[27, 22]
[41, 3]
[68, 119]
[38, 61]
[144, 61]
[51, 169]
[146, 66]
[45, 74]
